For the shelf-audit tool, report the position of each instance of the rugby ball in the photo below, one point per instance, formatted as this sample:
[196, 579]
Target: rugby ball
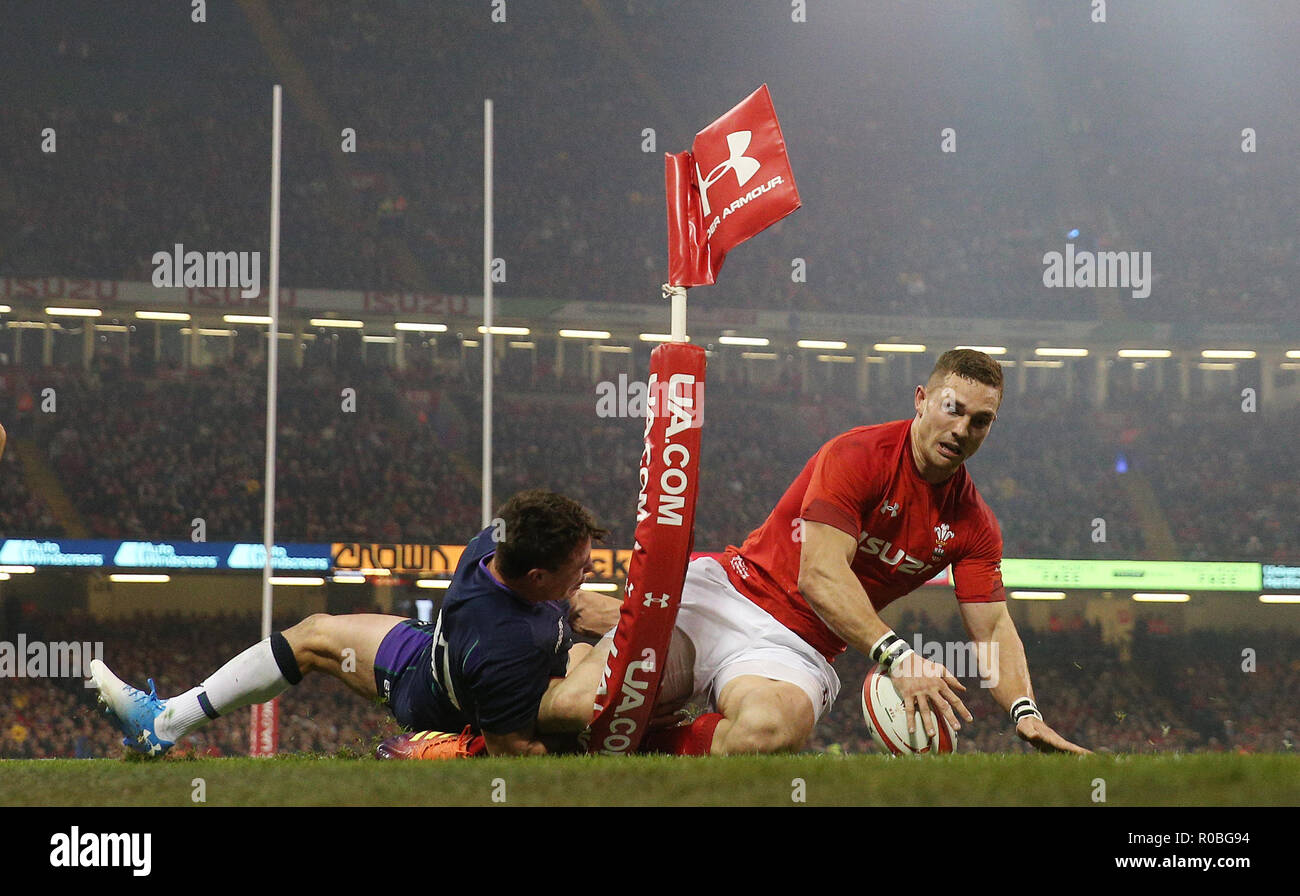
[887, 721]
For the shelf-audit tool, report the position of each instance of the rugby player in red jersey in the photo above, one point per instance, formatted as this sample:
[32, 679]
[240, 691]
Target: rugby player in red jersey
[874, 514]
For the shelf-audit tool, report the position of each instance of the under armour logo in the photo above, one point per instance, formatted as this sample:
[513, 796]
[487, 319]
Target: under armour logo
[661, 601]
[744, 166]
[891, 509]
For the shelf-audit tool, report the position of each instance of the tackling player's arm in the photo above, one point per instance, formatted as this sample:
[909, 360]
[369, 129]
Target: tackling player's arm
[510, 689]
[592, 614]
[990, 623]
[516, 743]
[827, 582]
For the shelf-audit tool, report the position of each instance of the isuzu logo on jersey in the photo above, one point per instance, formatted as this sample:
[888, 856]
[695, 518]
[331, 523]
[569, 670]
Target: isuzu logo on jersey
[708, 216]
[895, 558]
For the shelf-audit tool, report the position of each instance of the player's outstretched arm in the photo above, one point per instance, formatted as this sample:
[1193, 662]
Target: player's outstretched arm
[2, 441]
[827, 582]
[1007, 672]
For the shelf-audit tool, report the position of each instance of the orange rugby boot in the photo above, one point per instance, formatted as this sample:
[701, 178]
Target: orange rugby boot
[432, 745]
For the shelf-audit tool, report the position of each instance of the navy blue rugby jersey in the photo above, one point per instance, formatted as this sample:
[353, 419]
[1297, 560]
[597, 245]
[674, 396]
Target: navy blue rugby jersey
[494, 653]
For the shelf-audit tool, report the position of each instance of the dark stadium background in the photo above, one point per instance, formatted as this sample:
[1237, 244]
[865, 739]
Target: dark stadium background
[1129, 131]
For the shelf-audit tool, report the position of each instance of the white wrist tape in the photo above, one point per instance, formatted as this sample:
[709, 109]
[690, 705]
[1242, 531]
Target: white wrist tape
[889, 650]
[1023, 708]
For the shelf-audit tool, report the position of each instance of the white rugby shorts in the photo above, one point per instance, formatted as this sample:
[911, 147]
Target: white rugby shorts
[733, 636]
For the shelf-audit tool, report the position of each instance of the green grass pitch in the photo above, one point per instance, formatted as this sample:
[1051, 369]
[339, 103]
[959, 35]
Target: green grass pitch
[809, 779]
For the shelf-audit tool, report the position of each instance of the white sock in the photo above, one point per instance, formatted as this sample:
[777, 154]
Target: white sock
[252, 677]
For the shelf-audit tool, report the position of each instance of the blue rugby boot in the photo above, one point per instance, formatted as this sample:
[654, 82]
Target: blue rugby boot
[134, 711]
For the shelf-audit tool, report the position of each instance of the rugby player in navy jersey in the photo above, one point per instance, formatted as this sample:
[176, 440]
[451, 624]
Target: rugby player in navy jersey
[500, 642]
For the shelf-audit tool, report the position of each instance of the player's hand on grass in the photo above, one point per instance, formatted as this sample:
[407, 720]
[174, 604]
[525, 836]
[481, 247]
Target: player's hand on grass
[1044, 739]
[927, 687]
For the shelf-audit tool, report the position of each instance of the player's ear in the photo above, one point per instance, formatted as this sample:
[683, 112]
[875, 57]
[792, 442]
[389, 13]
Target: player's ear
[919, 399]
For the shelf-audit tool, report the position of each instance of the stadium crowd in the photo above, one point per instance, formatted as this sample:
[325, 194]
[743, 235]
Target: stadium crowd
[22, 511]
[1214, 477]
[917, 231]
[145, 454]
[148, 456]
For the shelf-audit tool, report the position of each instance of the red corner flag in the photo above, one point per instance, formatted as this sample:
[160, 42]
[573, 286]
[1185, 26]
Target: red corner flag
[735, 181]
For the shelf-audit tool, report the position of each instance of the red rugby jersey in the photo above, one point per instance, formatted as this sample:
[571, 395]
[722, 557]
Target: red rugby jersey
[866, 483]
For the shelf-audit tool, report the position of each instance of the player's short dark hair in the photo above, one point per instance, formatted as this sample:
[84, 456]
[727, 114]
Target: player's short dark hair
[542, 530]
[968, 364]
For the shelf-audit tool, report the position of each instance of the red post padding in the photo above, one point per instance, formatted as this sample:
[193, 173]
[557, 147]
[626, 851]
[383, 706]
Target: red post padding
[665, 534]
[264, 730]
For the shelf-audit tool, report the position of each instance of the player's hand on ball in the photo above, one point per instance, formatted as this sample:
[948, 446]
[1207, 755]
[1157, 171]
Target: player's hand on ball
[1045, 740]
[927, 687]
